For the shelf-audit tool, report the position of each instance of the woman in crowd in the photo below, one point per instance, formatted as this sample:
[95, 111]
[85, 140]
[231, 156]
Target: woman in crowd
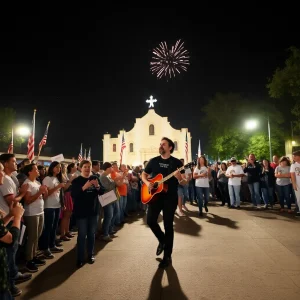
[84, 192]
[52, 208]
[33, 216]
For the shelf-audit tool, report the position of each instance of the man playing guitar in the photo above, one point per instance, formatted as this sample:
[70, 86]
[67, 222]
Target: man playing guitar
[164, 164]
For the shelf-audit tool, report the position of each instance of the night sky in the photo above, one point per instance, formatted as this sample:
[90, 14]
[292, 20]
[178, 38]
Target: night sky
[90, 74]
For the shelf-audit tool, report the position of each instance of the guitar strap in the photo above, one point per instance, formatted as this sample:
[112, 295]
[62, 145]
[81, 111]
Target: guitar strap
[170, 166]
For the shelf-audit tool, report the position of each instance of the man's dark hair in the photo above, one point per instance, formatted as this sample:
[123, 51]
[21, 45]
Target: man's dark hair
[28, 168]
[170, 142]
[95, 163]
[5, 157]
[106, 165]
[296, 153]
[84, 162]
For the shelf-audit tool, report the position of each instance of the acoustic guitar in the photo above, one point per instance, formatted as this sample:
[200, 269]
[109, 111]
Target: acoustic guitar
[159, 185]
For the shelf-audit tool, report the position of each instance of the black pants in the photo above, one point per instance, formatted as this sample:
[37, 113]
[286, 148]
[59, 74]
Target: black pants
[168, 204]
[223, 188]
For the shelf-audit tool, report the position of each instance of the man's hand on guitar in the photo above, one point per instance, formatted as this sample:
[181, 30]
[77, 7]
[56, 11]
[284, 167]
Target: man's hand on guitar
[149, 185]
[178, 175]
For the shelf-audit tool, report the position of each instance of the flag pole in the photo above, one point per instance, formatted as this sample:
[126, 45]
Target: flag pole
[11, 146]
[31, 138]
[40, 147]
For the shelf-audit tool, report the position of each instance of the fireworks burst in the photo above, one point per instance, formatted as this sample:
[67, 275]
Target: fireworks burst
[168, 62]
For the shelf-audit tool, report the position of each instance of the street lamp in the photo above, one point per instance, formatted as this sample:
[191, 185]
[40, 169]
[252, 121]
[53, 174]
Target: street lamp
[253, 124]
[23, 131]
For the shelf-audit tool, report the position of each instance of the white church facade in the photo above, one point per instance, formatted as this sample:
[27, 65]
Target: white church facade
[142, 141]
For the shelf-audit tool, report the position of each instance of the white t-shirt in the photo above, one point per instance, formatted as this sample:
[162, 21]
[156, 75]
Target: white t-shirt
[37, 207]
[295, 168]
[7, 188]
[201, 181]
[236, 170]
[53, 200]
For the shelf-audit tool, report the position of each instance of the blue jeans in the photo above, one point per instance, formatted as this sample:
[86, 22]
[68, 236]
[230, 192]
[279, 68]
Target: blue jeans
[51, 218]
[123, 204]
[87, 228]
[6, 295]
[191, 189]
[284, 193]
[200, 192]
[11, 252]
[234, 194]
[110, 214]
[267, 194]
[254, 191]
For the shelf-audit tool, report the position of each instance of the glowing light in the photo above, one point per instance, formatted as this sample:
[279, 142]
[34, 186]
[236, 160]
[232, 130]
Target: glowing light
[251, 124]
[23, 131]
[151, 101]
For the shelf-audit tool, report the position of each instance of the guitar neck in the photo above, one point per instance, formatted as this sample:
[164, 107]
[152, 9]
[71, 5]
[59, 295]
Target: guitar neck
[171, 175]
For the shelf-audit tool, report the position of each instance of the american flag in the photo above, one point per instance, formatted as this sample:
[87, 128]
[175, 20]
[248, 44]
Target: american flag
[44, 139]
[123, 146]
[11, 145]
[30, 145]
[80, 154]
[186, 147]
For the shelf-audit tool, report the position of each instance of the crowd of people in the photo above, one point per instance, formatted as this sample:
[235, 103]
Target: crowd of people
[51, 202]
[58, 201]
[253, 181]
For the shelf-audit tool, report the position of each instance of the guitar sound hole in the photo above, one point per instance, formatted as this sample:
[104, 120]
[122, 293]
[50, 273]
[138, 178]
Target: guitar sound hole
[155, 185]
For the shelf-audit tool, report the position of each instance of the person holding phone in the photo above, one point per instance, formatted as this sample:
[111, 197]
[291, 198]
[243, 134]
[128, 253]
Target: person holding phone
[85, 191]
[253, 170]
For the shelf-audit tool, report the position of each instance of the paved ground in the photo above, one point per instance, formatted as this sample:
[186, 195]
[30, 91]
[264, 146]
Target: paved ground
[228, 254]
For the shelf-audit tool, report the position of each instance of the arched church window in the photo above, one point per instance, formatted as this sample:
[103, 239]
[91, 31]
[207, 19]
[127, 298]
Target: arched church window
[151, 129]
[114, 147]
[175, 146]
[131, 147]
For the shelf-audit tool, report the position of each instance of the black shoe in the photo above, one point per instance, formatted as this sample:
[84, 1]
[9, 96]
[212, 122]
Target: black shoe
[165, 262]
[15, 291]
[79, 264]
[31, 266]
[22, 277]
[205, 207]
[56, 250]
[48, 255]
[160, 249]
[39, 262]
[91, 260]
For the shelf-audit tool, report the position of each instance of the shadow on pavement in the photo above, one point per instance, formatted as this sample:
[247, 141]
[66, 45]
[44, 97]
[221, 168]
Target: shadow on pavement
[171, 291]
[186, 225]
[57, 273]
[215, 219]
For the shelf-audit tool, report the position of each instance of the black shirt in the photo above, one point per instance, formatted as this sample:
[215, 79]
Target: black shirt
[86, 203]
[158, 165]
[253, 172]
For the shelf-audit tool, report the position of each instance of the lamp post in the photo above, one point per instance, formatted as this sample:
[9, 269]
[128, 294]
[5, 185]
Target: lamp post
[253, 124]
[269, 132]
[22, 131]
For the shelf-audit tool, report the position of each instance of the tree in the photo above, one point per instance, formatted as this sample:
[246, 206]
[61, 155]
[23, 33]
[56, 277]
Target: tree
[225, 116]
[7, 119]
[286, 81]
[259, 145]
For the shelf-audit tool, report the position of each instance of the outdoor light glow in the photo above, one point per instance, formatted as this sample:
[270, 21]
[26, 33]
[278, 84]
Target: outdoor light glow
[251, 124]
[23, 131]
[293, 143]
